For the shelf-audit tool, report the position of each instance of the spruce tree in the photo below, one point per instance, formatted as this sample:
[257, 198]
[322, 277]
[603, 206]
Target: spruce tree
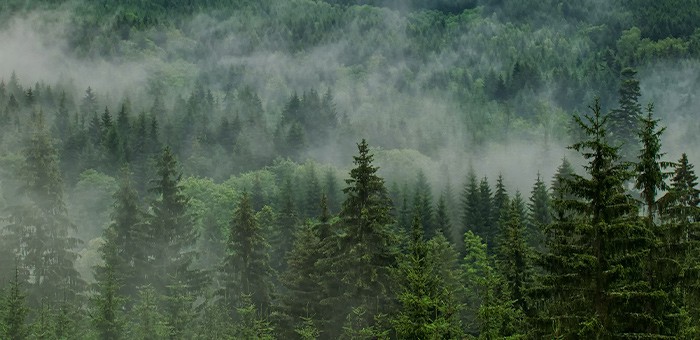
[649, 168]
[423, 204]
[170, 231]
[15, 311]
[127, 236]
[302, 279]
[38, 226]
[367, 248]
[595, 271]
[426, 311]
[245, 268]
[625, 120]
[107, 303]
[514, 256]
[540, 214]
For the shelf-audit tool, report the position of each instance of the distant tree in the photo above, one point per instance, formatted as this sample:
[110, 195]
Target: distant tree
[287, 223]
[423, 204]
[649, 169]
[540, 213]
[625, 120]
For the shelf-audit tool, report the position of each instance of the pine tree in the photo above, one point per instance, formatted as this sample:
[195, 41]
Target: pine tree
[106, 317]
[426, 310]
[595, 280]
[15, 312]
[540, 214]
[39, 229]
[500, 198]
[367, 248]
[624, 121]
[170, 231]
[486, 227]
[514, 256]
[650, 175]
[245, 268]
[127, 236]
[489, 313]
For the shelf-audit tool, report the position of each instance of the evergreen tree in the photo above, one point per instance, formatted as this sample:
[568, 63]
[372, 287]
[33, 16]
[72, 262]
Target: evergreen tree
[595, 271]
[302, 279]
[367, 248]
[624, 121]
[514, 256]
[470, 204]
[489, 313]
[170, 231]
[312, 194]
[15, 311]
[486, 226]
[443, 225]
[147, 322]
[287, 223]
[245, 268]
[107, 302]
[39, 229]
[128, 239]
[560, 190]
[649, 169]
[423, 204]
[500, 199]
[540, 214]
[426, 312]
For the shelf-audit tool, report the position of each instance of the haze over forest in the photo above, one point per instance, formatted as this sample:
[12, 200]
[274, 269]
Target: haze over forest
[352, 169]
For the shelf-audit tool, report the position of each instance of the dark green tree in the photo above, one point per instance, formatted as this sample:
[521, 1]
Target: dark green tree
[426, 311]
[540, 213]
[649, 168]
[170, 231]
[39, 231]
[367, 248]
[625, 120]
[595, 276]
[245, 268]
[15, 311]
[108, 304]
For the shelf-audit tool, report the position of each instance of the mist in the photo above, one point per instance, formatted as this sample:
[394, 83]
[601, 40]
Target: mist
[271, 99]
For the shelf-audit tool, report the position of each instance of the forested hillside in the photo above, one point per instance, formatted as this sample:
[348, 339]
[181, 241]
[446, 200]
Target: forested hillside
[306, 169]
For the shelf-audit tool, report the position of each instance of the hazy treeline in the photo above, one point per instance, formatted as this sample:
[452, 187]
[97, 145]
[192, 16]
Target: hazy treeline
[199, 169]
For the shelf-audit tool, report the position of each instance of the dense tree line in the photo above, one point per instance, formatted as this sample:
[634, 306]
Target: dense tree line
[585, 257]
[197, 211]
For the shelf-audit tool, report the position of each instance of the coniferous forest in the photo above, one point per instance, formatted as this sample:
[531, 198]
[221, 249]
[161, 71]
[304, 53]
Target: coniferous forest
[346, 169]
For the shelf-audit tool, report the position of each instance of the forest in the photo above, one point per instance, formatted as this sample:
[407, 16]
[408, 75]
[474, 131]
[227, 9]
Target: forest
[349, 169]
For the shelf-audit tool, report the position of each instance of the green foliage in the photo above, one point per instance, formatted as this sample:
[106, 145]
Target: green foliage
[428, 309]
[15, 311]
